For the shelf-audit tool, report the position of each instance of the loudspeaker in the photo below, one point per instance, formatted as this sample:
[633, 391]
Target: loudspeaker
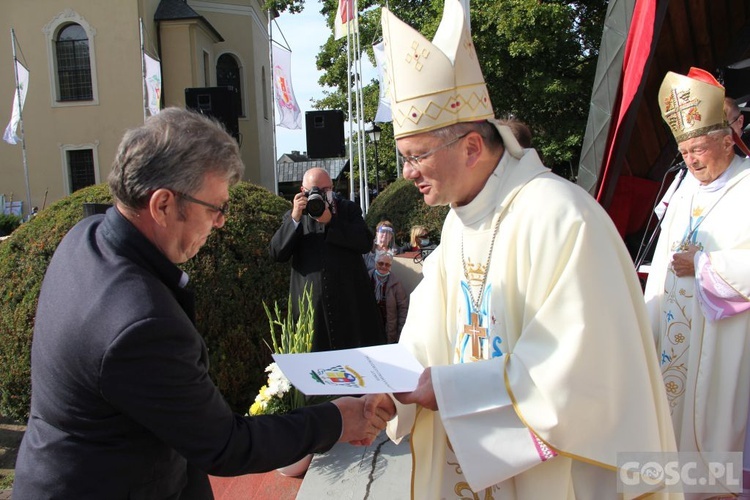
[218, 102]
[325, 134]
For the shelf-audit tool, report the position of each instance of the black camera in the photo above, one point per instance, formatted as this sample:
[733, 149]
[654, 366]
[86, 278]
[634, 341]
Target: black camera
[316, 202]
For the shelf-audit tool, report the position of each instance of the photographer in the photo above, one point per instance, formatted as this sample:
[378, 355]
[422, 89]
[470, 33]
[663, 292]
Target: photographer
[326, 250]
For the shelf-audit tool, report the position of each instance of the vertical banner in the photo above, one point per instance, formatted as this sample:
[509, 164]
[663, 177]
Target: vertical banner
[15, 118]
[289, 112]
[384, 103]
[345, 19]
[640, 47]
[153, 84]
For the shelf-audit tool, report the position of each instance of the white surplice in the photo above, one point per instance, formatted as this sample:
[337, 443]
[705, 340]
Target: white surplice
[563, 337]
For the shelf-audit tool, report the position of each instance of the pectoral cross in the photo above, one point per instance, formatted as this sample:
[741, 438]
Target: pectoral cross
[476, 332]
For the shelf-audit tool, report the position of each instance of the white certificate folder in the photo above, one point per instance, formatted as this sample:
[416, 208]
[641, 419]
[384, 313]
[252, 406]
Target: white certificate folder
[365, 370]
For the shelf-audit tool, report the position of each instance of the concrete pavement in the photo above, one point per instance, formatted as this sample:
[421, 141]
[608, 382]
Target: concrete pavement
[381, 471]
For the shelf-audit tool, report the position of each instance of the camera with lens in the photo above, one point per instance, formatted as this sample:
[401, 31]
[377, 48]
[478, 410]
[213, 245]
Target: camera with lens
[316, 202]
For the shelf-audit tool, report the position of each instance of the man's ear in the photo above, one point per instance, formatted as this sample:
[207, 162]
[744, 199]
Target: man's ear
[474, 146]
[161, 205]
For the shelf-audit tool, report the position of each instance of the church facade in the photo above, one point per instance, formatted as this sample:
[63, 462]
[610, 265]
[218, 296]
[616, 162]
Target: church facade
[86, 84]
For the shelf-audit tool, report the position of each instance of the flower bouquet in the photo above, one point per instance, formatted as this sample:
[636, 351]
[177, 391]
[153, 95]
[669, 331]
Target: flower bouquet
[278, 395]
[294, 336]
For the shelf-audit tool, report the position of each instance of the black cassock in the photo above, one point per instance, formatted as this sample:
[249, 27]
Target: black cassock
[329, 257]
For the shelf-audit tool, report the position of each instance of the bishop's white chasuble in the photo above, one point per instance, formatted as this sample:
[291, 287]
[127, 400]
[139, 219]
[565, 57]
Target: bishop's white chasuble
[705, 364]
[545, 369]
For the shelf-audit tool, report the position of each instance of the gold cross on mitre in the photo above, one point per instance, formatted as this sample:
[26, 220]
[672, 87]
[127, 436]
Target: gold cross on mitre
[681, 110]
[476, 332]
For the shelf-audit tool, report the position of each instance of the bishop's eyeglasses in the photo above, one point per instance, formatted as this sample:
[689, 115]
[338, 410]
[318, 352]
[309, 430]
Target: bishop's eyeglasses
[414, 161]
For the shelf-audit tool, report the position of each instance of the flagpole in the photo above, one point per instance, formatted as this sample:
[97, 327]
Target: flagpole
[273, 107]
[360, 107]
[143, 70]
[20, 121]
[351, 119]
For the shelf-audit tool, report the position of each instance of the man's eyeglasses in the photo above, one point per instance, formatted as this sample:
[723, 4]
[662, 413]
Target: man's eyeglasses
[736, 118]
[414, 161]
[221, 209]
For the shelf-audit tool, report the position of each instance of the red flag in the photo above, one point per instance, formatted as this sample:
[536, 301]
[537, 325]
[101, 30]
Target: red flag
[345, 18]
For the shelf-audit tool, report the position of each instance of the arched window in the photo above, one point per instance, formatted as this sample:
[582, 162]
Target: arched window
[228, 75]
[73, 64]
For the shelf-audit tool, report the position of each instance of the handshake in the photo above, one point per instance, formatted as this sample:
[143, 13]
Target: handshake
[363, 418]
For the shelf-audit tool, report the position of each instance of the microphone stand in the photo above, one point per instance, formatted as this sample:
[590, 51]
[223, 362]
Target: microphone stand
[682, 168]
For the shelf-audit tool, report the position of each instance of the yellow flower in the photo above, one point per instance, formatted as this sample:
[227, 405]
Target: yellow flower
[256, 408]
[263, 393]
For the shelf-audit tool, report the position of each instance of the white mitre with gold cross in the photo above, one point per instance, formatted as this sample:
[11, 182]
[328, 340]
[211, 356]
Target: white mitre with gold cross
[692, 105]
[433, 84]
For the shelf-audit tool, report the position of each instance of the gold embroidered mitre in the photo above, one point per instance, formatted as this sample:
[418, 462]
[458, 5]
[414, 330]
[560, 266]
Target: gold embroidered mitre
[433, 84]
[692, 105]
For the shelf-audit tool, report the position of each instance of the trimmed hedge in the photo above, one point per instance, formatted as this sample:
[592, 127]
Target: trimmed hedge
[232, 275]
[403, 205]
[8, 223]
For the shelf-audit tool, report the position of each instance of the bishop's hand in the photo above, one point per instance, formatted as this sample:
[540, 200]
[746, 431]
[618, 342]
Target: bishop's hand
[683, 263]
[423, 395]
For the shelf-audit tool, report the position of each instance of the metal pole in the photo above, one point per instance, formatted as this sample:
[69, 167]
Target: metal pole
[351, 118]
[143, 71]
[20, 121]
[360, 108]
[377, 174]
[273, 106]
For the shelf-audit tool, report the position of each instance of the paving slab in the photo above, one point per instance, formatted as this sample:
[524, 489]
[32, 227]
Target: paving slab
[381, 471]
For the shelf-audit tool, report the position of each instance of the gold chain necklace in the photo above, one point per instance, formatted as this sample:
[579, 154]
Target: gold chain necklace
[475, 303]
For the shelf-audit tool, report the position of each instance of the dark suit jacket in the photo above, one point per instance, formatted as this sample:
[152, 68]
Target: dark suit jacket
[122, 404]
[329, 259]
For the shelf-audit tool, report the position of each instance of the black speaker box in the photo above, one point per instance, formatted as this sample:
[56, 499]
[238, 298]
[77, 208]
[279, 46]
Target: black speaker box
[217, 102]
[325, 134]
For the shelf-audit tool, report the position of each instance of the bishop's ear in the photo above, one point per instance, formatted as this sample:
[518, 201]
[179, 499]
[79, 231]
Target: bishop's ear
[474, 146]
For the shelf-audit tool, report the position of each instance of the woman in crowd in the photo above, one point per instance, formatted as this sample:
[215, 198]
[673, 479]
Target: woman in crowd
[384, 242]
[390, 295]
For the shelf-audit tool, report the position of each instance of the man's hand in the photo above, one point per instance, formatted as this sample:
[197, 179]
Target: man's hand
[683, 263]
[378, 406]
[423, 395]
[357, 427]
[300, 203]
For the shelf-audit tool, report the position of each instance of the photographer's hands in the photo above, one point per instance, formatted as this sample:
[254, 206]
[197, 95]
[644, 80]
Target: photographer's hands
[298, 210]
[300, 203]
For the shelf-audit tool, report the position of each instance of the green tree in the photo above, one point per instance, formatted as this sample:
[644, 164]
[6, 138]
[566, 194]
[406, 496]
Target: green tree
[538, 59]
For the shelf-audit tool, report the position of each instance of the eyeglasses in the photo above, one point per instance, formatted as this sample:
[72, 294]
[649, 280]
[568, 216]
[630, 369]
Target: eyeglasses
[414, 161]
[220, 209]
[736, 118]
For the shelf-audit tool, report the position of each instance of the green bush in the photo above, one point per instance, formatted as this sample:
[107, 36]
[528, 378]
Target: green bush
[231, 276]
[8, 223]
[403, 205]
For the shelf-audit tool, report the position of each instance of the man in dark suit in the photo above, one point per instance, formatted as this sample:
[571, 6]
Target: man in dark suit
[122, 404]
[326, 250]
